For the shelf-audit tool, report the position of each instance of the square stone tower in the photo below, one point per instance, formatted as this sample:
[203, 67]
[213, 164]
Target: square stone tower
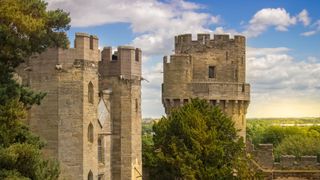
[90, 117]
[211, 69]
[120, 72]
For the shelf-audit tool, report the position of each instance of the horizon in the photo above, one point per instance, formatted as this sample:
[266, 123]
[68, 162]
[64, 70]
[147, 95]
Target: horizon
[283, 57]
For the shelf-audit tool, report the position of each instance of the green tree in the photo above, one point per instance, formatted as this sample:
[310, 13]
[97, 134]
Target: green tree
[298, 145]
[197, 141]
[26, 27]
[275, 134]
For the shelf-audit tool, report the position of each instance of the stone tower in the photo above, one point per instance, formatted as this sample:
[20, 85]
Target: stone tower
[211, 69]
[90, 117]
[120, 72]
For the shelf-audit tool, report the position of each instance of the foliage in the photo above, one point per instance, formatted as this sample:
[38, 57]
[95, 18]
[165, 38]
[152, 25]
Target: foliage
[26, 27]
[197, 141]
[298, 145]
[292, 139]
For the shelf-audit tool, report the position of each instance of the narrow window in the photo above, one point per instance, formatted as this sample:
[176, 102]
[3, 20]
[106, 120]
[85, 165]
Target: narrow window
[100, 151]
[137, 105]
[227, 56]
[90, 93]
[91, 42]
[114, 56]
[137, 56]
[212, 73]
[90, 133]
[90, 175]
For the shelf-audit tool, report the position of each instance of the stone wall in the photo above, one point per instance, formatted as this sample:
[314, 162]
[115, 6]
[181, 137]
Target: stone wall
[289, 166]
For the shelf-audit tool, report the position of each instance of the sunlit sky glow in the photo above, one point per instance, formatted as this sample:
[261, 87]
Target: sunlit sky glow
[283, 43]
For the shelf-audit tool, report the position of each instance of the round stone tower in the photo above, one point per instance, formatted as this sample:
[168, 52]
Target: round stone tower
[211, 69]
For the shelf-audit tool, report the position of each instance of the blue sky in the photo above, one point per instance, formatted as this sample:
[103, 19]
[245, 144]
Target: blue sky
[283, 43]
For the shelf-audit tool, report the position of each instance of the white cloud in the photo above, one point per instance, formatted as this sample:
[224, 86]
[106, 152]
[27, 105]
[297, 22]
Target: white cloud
[269, 17]
[282, 85]
[215, 19]
[155, 22]
[303, 17]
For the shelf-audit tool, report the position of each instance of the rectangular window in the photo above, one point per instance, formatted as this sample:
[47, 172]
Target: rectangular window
[212, 73]
[100, 151]
[137, 56]
[227, 56]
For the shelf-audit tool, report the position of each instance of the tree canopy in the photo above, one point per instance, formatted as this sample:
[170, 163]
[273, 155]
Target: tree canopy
[26, 27]
[197, 141]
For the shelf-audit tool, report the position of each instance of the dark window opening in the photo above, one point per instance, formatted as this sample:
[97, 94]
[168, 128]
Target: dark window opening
[90, 176]
[114, 57]
[137, 56]
[91, 42]
[90, 133]
[137, 104]
[212, 73]
[100, 151]
[90, 93]
[227, 55]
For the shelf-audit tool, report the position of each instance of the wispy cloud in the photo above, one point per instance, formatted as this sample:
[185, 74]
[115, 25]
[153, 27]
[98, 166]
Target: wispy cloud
[316, 29]
[303, 17]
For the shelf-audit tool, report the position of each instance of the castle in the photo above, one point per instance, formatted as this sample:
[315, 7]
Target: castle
[211, 69]
[91, 115]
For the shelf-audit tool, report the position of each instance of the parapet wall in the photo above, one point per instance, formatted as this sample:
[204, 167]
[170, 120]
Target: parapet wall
[263, 155]
[126, 61]
[184, 43]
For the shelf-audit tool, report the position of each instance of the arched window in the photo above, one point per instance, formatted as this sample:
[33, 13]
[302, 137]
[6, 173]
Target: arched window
[90, 175]
[90, 92]
[90, 133]
[100, 150]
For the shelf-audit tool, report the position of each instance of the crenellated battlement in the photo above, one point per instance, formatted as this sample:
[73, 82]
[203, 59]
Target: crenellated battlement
[185, 44]
[125, 61]
[263, 155]
[86, 41]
